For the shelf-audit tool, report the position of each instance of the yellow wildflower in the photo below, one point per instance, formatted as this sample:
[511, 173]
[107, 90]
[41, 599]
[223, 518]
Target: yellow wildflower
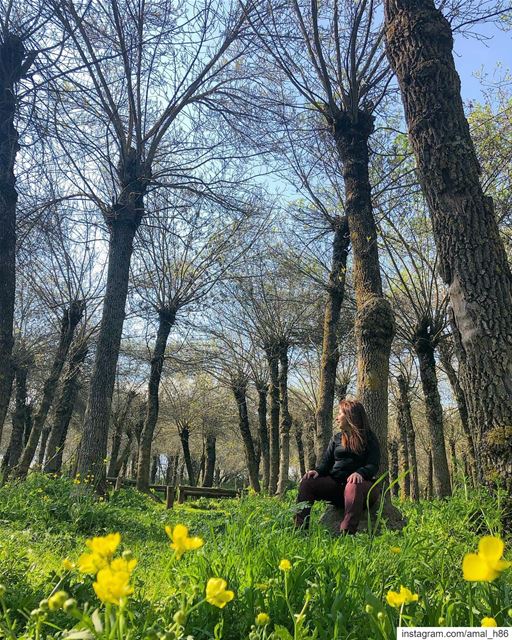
[285, 565]
[395, 549]
[485, 565]
[91, 563]
[217, 594]
[397, 599]
[489, 622]
[181, 542]
[67, 564]
[262, 619]
[104, 546]
[113, 582]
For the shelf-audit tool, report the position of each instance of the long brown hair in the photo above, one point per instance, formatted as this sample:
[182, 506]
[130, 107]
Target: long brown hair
[359, 425]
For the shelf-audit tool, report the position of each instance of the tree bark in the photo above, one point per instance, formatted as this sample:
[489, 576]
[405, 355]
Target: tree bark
[209, 472]
[472, 259]
[300, 447]
[330, 350]
[70, 320]
[430, 477]
[184, 433]
[404, 467]
[273, 366]
[239, 389]
[64, 409]
[405, 411]
[285, 420]
[124, 220]
[19, 418]
[393, 468]
[374, 326]
[13, 65]
[458, 392]
[154, 468]
[262, 389]
[165, 323]
[434, 410]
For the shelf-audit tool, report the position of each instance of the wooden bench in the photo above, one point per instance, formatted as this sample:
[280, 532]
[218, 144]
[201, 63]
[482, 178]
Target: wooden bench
[185, 492]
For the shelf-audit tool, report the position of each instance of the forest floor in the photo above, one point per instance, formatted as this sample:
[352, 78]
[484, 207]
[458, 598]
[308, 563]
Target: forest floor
[338, 586]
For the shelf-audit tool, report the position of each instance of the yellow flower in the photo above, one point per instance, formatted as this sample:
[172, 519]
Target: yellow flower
[395, 549]
[67, 564]
[285, 565]
[217, 594]
[485, 565]
[91, 563]
[397, 599]
[489, 622]
[113, 582]
[262, 619]
[104, 546]
[181, 542]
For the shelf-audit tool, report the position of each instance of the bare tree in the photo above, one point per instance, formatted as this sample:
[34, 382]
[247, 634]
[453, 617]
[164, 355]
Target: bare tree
[421, 300]
[332, 56]
[472, 259]
[22, 28]
[180, 259]
[137, 77]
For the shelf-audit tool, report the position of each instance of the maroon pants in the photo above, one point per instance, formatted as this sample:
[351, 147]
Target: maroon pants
[350, 495]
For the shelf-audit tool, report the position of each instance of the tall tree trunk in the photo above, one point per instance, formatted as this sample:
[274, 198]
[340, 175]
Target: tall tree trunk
[309, 440]
[262, 389]
[405, 409]
[239, 389]
[404, 467]
[154, 468]
[211, 442]
[430, 476]
[285, 420]
[374, 326]
[300, 446]
[445, 354]
[165, 322]
[13, 65]
[124, 220]
[121, 462]
[187, 458]
[70, 320]
[330, 350]
[472, 259]
[393, 466]
[272, 354]
[434, 410]
[64, 409]
[45, 433]
[453, 460]
[19, 418]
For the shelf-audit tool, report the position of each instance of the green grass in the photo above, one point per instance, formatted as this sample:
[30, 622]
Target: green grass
[42, 522]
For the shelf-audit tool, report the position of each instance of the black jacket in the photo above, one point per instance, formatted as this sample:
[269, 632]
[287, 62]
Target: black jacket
[340, 462]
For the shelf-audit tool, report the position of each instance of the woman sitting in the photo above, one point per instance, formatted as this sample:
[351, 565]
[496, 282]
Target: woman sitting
[347, 470]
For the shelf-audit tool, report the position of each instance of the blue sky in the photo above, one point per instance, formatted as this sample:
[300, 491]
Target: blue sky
[472, 54]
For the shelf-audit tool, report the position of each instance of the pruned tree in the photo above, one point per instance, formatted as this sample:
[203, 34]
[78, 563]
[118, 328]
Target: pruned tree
[472, 259]
[133, 80]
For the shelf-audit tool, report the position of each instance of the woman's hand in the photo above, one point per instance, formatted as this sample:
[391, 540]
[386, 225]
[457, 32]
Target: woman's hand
[310, 474]
[355, 478]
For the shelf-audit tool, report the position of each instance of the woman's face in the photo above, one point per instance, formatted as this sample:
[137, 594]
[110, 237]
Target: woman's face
[341, 421]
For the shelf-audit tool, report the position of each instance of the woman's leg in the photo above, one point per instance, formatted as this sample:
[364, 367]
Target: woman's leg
[312, 489]
[355, 502]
